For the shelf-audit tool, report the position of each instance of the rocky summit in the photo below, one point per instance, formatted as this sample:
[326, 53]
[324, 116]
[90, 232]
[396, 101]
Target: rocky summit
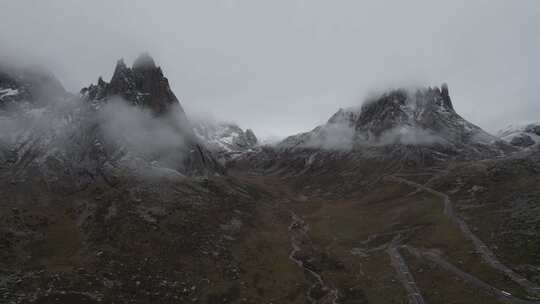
[423, 116]
[143, 84]
[116, 195]
[226, 140]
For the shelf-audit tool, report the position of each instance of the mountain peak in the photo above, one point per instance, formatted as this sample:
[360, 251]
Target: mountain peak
[121, 64]
[120, 70]
[427, 98]
[422, 116]
[425, 108]
[144, 61]
[143, 84]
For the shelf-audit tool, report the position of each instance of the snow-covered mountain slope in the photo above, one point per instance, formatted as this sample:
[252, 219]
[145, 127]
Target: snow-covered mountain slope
[524, 135]
[132, 124]
[226, 139]
[422, 117]
[34, 110]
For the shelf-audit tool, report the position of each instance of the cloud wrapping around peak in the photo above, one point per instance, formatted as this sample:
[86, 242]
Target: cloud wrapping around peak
[282, 67]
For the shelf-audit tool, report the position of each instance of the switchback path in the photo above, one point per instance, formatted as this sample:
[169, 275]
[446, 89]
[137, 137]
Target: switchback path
[404, 275]
[480, 246]
[500, 295]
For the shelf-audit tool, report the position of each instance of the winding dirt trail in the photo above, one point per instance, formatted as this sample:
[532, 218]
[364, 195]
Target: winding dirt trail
[479, 245]
[404, 275]
[298, 230]
[500, 295]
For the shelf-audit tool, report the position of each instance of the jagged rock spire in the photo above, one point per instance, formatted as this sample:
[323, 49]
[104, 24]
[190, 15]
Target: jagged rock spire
[143, 85]
[120, 69]
[446, 96]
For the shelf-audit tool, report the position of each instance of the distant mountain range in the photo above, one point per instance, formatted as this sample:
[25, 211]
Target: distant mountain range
[422, 118]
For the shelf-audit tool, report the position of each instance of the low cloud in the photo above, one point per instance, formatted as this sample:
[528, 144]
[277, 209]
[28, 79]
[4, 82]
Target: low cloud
[343, 137]
[142, 133]
[408, 135]
[332, 137]
[70, 129]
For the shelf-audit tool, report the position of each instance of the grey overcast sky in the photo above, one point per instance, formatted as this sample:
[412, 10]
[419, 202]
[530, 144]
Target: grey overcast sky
[284, 66]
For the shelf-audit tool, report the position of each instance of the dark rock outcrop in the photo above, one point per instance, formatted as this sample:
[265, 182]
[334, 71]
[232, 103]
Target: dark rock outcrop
[533, 128]
[251, 139]
[522, 140]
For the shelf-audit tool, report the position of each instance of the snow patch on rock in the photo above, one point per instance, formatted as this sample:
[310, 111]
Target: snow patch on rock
[521, 135]
[8, 92]
[226, 139]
